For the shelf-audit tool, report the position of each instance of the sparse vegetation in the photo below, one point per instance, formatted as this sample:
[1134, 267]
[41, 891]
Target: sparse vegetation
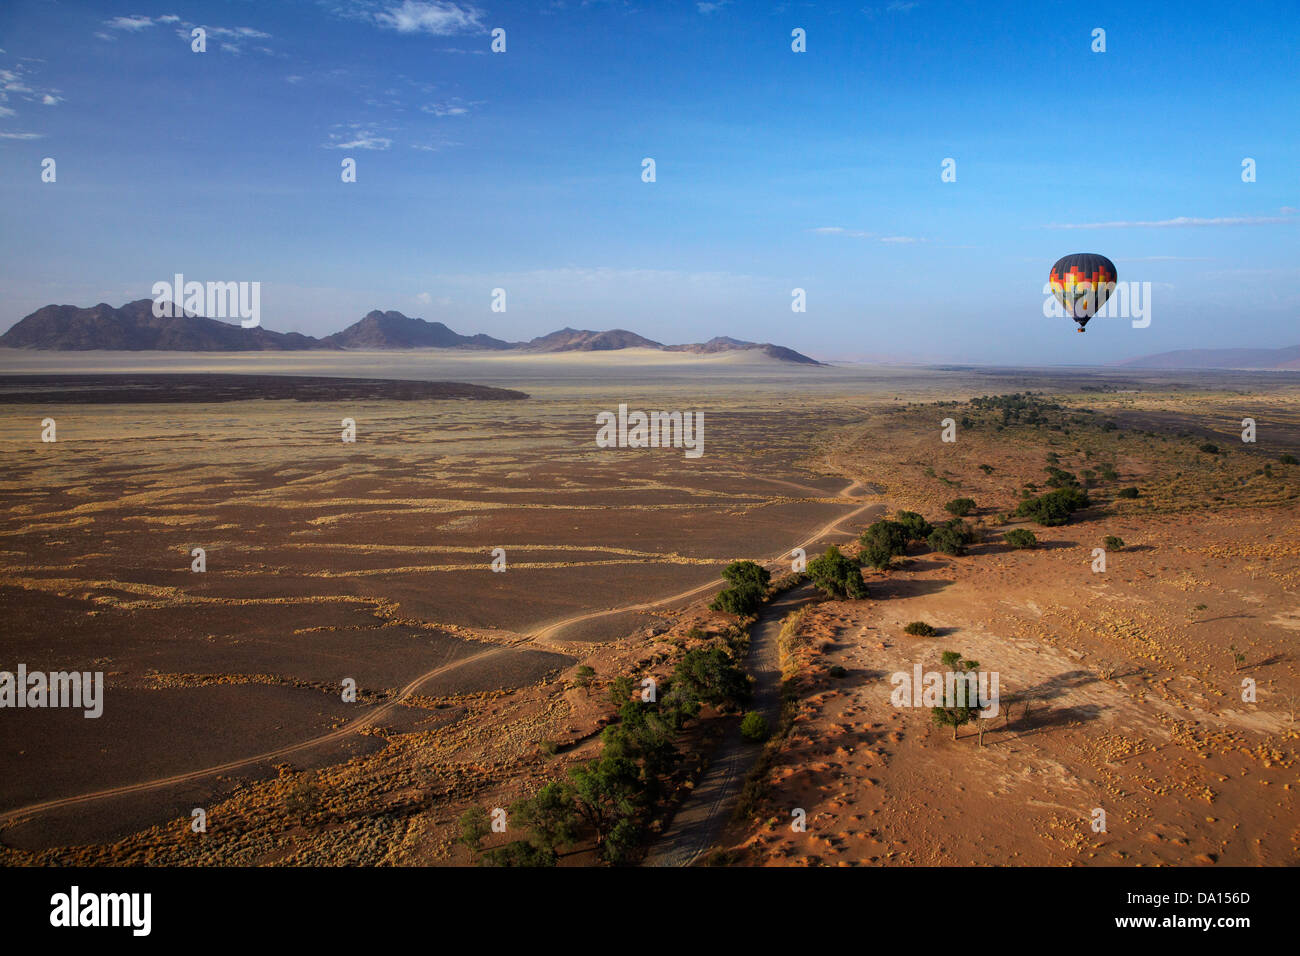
[1021, 538]
[1055, 507]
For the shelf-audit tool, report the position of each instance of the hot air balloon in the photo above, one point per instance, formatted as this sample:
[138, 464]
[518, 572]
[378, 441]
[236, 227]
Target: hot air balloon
[1082, 282]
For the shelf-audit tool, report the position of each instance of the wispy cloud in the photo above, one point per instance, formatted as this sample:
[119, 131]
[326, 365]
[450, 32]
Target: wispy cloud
[840, 231]
[233, 38]
[22, 135]
[1181, 221]
[134, 24]
[449, 108]
[17, 85]
[434, 17]
[711, 6]
[860, 234]
[358, 136]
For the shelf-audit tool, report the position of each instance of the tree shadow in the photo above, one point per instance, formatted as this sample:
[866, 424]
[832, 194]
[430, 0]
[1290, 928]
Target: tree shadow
[885, 588]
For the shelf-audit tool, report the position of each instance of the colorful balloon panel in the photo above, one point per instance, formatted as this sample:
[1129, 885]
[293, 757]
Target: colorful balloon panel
[1082, 282]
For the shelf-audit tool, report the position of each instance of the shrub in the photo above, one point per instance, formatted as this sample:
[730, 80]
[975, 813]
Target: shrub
[1055, 507]
[741, 573]
[1113, 543]
[1210, 449]
[837, 576]
[881, 542]
[708, 676]
[952, 537]
[1108, 473]
[1128, 493]
[741, 601]
[838, 671]
[1288, 459]
[1059, 478]
[987, 469]
[960, 507]
[1021, 538]
[474, 824]
[914, 526]
[920, 629]
[583, 675]
[754, 728]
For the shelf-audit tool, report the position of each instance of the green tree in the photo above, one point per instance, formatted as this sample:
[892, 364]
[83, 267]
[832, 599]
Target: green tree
[518, 853]
[950, 714]
[474, 825]
[914, 526]
[837, 576]
[882, 542]
[754, 727]
[707, 675]
[550, 816]
[960, 507]
[1021, 538]
[740, 573]
[952, 538]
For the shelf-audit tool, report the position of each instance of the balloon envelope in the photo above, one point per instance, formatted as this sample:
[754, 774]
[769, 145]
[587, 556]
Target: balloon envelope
[1082, 282]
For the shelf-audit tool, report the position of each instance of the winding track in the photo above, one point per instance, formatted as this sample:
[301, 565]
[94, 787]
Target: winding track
[21, 814]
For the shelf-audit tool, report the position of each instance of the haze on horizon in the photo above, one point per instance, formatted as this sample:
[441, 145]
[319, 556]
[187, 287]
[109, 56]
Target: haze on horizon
[774, 169]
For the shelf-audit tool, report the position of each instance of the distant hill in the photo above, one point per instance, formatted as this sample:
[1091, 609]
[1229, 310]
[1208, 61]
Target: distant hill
[583, 340]
[724, 343]
[1274, 359]
[133, 328]
[392, 330]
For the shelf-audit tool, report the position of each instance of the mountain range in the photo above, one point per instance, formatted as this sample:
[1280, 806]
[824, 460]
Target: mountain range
[1263, 359]
[134, 327]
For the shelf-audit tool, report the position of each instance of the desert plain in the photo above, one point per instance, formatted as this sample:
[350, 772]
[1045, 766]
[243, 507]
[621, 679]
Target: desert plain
[1162, 690]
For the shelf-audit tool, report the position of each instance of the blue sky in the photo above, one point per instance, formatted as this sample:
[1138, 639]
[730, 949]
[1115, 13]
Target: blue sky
[775, 169]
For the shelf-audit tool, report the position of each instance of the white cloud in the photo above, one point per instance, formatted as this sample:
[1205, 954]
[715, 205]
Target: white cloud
[859, 234]
[430, 16]
[22, 135]
[445, 109]
[1179, 221]
[134, 24]
[358, 137]
[50, 99]
[840, 231]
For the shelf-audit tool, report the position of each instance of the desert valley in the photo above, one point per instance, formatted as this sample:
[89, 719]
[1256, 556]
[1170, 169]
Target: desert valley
[500, 592]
